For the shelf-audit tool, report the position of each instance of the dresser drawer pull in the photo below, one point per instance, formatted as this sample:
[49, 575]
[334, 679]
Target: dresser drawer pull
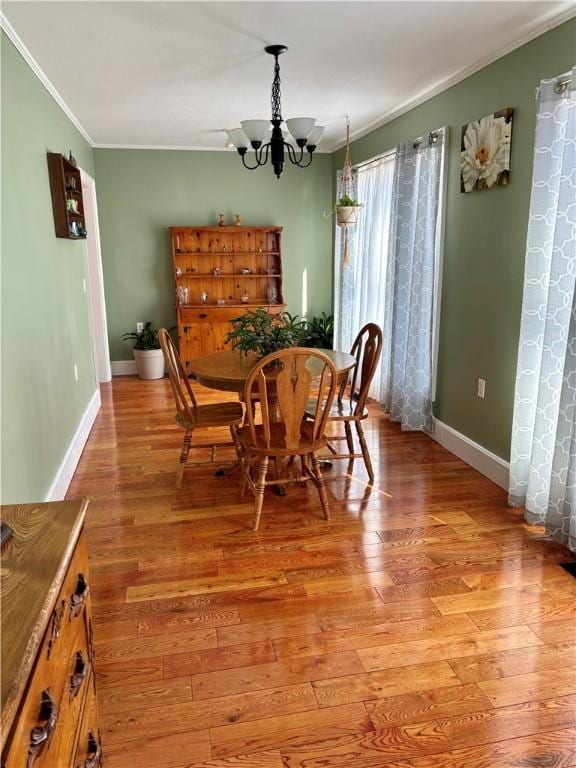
[40, 735]
[80, 672]
[94, 759]
[57, 617]
[79, 597]
[202, 315]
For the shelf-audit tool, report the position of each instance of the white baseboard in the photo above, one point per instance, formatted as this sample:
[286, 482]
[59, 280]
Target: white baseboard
[124, 368]
[71, 458]
[474, 454]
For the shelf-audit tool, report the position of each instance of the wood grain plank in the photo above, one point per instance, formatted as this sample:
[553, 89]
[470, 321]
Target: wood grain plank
[202, 586]
[284, 672]
[373, 635]
[491, 599]
[371, 750]
[550, 608]
[170, 750]
[515, 662]
[212, 659]
[163, 623]
[426, 705]
[148, 647]
[554, 749]
[379, 685]
[200, 715]
[519, 720]
[293, 731]
[140, 696]
[418, 651]
[532, 686]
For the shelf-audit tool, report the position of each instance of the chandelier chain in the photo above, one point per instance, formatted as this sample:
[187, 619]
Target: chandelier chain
[275, 99]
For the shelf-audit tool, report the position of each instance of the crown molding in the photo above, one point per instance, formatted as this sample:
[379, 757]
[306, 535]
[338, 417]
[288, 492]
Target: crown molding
[184, 148]
[35, 67]
[539, 29]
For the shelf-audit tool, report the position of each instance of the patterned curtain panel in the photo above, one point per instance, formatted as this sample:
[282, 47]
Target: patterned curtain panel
[406, 383]
[361, 284]
[543, 453]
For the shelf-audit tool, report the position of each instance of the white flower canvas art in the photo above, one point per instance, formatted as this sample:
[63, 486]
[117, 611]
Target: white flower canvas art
[485, 152]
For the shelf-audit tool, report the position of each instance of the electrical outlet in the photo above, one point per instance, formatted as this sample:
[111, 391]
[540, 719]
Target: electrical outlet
[84, 284]
[481, 388]
[139, 327]
[75, 371]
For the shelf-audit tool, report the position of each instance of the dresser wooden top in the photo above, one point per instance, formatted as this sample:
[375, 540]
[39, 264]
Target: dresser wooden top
[34, 564]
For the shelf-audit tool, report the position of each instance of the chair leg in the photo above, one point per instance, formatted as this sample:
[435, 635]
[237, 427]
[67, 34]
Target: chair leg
[365, 452]
[183, 457]
[259, 491]
[319, 483]
[349, 438]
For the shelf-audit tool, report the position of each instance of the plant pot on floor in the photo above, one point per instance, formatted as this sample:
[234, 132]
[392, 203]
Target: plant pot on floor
[149, 362]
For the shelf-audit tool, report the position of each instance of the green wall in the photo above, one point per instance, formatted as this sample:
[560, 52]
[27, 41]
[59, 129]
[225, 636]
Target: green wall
[143, 192]
[485, 235]
[44, 310]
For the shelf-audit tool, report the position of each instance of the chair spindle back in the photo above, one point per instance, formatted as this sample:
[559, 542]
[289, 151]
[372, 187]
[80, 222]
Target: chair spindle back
[367, 349]
[186, 405]
[287, 376]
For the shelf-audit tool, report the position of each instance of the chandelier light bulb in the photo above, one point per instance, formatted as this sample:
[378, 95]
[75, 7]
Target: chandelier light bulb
[238, 138]
[300, 127]
[315, 136]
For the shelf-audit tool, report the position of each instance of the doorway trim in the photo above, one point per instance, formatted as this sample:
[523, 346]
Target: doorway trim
[95, 281]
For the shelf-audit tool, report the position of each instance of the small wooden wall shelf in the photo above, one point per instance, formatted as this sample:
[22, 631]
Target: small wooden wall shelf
[228, 264]
[65, 185]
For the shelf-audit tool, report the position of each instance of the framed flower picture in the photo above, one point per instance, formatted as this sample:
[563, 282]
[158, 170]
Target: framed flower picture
[485, 152]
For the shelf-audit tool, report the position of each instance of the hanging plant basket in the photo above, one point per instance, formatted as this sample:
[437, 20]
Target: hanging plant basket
[347, 206]
[346, 214]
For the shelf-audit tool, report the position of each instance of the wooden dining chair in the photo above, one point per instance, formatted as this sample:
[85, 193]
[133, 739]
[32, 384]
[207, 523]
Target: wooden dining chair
[283, 382]
[350, 405]
[189, 415]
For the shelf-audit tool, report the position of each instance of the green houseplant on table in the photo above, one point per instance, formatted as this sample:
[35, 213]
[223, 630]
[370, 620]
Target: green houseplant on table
[147, 352]
[260, 333]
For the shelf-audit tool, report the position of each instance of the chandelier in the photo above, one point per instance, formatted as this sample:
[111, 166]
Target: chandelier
[273, 142]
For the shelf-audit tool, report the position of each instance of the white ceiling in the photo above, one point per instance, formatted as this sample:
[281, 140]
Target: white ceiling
[174, 74]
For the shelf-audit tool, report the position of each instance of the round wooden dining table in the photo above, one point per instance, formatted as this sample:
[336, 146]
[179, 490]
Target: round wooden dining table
[228, 370]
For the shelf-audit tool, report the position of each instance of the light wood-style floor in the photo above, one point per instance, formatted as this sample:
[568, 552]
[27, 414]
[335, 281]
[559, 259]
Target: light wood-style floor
[426, 626]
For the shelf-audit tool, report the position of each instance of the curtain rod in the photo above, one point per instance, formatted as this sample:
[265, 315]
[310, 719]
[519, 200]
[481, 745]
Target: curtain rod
[383, 156]
[561, 85]
[431, 137]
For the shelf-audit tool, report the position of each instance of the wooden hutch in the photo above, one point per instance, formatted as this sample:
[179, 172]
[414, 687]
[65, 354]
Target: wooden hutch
[219, 274]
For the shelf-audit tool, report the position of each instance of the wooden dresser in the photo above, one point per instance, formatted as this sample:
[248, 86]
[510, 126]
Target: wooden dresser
[49, 711]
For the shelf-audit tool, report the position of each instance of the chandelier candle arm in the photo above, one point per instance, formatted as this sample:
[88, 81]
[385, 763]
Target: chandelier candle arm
[266, 138]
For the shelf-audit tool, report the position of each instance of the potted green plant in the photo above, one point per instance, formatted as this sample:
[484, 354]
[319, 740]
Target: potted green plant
[347, 210]
[319, 332]
[261, 333]
[147, 352]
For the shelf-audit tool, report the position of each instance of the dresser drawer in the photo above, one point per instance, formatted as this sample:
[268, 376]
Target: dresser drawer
[89, 750]
[77, 681]
[51, 710]
[211, 314]
[68, 614]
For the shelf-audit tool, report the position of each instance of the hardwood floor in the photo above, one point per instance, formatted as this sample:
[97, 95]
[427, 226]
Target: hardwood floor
[425, 626]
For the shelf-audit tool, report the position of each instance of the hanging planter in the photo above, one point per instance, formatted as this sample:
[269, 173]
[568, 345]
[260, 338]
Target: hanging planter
[347, 206]
[347, 211]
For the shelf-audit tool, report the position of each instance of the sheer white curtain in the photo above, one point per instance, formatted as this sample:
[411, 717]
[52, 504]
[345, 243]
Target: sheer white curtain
[361, 285]
[543, 452]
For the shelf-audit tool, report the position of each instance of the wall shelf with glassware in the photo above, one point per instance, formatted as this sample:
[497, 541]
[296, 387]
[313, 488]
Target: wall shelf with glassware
[218, 272]
[67, 201]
